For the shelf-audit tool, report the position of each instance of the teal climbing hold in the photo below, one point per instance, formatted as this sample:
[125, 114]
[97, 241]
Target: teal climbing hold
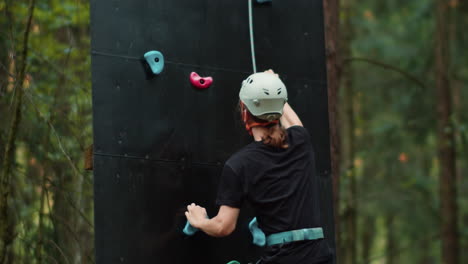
[233, 262]
[189, 230]
[155, 60]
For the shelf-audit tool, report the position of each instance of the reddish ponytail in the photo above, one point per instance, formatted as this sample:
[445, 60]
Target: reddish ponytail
[276, 137]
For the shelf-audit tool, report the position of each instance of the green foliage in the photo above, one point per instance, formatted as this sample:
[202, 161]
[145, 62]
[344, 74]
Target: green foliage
[396, 122]
[51, 194]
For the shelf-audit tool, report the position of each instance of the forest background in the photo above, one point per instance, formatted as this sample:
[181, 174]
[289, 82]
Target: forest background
[398, 79]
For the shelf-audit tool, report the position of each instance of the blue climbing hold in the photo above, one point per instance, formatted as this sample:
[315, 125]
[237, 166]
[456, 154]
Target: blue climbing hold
[263, 1]
[189, 230]
[155, 60]
[259, 237]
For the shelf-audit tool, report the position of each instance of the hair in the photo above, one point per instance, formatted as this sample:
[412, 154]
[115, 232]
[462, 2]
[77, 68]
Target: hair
[275, 136]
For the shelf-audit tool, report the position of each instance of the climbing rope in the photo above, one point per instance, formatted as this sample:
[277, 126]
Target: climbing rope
[252, 45]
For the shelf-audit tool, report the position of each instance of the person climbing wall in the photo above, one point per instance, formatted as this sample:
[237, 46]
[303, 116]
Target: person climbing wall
[163, 134]
[276, 174]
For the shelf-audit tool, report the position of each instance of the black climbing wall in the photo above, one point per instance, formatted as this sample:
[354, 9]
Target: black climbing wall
[160, 144]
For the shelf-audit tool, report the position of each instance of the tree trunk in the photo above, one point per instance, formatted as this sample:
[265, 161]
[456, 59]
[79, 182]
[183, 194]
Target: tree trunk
[391, 251]
[456, 86]
[425, 252]
[367, 238]
[7, 233]
[9, 67]
[445, 140]
[40, 240]
[349, 103]
[331, 17]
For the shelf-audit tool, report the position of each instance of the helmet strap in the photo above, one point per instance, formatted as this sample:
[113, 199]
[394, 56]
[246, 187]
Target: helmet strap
[249, 123]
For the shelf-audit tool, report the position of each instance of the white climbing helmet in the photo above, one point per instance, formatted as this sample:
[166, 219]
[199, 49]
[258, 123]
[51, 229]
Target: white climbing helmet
[264, 95]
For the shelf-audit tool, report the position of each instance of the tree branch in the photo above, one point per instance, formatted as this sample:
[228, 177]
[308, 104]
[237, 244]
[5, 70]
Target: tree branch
[388, 67]
[7, 72]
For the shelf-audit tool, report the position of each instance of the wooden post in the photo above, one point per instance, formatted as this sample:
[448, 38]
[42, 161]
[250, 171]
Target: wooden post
[330, 9]
[88, 159]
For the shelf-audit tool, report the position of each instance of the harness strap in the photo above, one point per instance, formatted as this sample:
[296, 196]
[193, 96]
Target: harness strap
[259, 238]
[295, 235]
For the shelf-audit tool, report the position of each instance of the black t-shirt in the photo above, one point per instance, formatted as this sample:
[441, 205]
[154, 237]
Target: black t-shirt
[281, 186]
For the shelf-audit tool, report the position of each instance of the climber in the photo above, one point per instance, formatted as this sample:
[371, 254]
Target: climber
[276, 174]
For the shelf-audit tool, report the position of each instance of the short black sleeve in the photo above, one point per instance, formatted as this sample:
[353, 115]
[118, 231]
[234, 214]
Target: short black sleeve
[298, 135]
[230, 190]
[298, 130]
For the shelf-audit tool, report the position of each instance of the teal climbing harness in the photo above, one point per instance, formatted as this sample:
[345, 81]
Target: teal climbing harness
[294, 235]
[261, 240]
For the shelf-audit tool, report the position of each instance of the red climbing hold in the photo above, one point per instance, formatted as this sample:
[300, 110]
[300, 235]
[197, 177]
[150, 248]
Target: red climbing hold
[200, 82]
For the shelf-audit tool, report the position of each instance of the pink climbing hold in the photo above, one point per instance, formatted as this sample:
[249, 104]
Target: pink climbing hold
[200, 82]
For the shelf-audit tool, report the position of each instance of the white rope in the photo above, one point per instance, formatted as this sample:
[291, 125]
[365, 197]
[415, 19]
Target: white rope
[252, 46]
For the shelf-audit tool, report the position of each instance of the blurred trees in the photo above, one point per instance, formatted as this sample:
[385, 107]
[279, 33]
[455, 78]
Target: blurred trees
[45, 91]
[396, 166]
[7, 228]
